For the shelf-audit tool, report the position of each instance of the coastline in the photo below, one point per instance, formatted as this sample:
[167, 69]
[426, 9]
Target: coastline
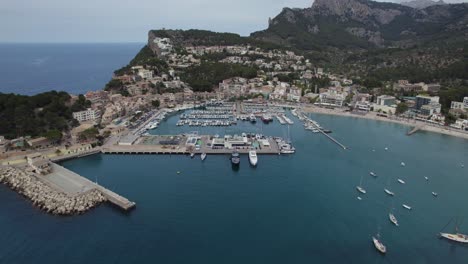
[373, 116]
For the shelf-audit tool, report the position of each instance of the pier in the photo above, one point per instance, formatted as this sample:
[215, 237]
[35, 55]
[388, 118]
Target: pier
[64, 180]
[316, 126]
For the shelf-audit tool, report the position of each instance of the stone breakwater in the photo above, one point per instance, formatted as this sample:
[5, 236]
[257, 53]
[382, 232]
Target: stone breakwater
[45, 197]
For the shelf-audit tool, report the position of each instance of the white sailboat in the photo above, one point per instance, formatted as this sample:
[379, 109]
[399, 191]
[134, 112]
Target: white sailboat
[379, 245]
[401, 181]
[456, 237]
[393, 219]
[360, 188]
[389, 192]
[253, 159]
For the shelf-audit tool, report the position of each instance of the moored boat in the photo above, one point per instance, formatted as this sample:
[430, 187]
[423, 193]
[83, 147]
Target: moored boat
[203, 156]
[389, 192]
[253, 159]
[435, 194]
[373, 174]
[235, 158]
[393, 219]
[401, 181]
[192, 155]
[379, 245]
[361, 190]
[407, 206]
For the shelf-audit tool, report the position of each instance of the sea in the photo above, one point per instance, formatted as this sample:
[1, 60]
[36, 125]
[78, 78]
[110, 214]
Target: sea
[75, 68]
[299, 208]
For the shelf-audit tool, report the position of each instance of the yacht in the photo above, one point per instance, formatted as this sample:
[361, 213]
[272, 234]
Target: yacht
[253, 159]
[379, 245]
[235, 158]
[361, 190]
[389, 192]
[287, 149]
[407, 206]
[203, 156]
[401, 181]
[373, 174]
[393, 219]
[456, 237]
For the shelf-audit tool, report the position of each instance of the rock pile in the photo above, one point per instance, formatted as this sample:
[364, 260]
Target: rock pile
[45, 197]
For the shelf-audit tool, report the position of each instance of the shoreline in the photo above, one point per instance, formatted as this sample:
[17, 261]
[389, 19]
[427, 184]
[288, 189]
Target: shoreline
[372, 116]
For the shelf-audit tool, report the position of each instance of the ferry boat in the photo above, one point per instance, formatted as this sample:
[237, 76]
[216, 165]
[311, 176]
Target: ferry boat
[373, 174]
[253, 159]
[379, 245]
[235, 158]
[393, 219]
[401, 181]
[203, 156]
[389, 192]
[407, 206]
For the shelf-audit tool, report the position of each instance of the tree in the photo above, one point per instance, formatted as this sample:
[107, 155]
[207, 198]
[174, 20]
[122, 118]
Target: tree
[156, 103]
[450, 119]
[401, 108]
[53, 135]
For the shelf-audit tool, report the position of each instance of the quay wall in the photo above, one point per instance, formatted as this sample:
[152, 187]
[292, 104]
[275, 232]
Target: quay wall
[47, 198]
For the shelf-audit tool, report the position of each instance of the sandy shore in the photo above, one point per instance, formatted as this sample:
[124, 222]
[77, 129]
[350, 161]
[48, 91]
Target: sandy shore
[405, 122]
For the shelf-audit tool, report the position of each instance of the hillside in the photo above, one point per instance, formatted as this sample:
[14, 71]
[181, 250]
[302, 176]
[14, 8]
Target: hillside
[362, 35]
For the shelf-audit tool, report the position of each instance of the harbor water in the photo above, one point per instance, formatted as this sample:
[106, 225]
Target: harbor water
[300, 208]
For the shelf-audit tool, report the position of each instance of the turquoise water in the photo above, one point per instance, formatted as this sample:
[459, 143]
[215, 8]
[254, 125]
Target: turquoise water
[290, 209]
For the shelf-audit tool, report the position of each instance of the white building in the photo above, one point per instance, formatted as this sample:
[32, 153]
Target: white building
[87, 115]
[457, 105]
[465, 102]
[145, 74]
[386, 100]
[332, 98]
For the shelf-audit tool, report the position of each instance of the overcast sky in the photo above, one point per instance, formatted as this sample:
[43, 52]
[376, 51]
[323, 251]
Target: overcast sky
[129, 21]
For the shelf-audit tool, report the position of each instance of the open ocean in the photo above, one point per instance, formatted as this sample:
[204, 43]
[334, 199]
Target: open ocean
[75, 68]
[301, 208]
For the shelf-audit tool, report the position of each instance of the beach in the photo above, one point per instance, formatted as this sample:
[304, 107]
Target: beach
[406, 122]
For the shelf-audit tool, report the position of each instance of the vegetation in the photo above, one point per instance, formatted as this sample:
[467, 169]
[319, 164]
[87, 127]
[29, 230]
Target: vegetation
[156, 103]
[88, 134]
[42, 114]
[401, 108]
[209, 74]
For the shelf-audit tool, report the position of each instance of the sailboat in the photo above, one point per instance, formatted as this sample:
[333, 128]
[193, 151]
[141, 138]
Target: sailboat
[406, 206]
[359, 187]
[401, 181]
[393, 219]
[389, 192]
[379, 245]
[457, 237]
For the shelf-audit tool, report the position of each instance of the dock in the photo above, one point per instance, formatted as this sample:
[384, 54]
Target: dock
[327, 135]
[73, 184]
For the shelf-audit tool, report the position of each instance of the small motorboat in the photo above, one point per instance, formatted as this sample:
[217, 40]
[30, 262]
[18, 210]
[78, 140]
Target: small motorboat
[379, 245]
[426, 178]
[406, 206]
[359, 198]
[435, 194]
[389, 192]
[203, 156]
[360, 189]
[402, 164]
[373, 174]
[393, 219]
[386, 148]
[192, 155]
[401, 181]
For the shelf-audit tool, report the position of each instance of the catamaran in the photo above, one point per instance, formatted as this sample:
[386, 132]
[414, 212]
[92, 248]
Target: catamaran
[379, 245]
[389, 192]
[253, 159]
[401, 181]
[407, 206]
[203, 156]
[393, 219]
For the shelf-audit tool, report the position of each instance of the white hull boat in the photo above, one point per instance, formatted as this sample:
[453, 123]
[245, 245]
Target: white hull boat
[373, 174]
[379, 245]
[401, 181]
[203, 156]
[389, 192]
[455, 237]
[360, 189]
[253, 159]
[393, 219]
[406, 206]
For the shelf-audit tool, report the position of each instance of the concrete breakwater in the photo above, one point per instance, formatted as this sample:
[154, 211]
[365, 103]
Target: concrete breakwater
[45, 197]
